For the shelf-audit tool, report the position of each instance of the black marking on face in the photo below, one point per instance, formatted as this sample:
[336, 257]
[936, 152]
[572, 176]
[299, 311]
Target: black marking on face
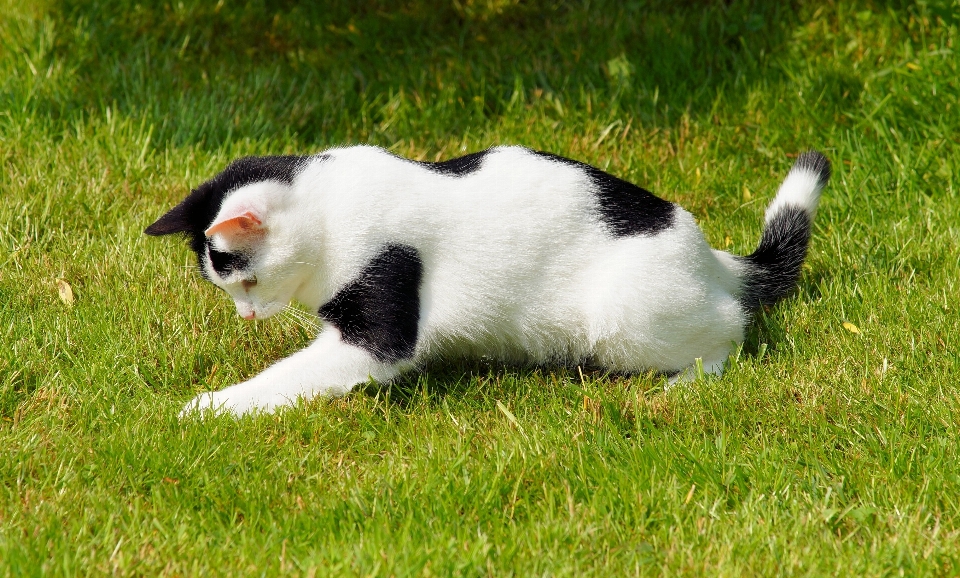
[625, 208]
[457, 167]
[226, 263]
[194, 214]
[379, 310]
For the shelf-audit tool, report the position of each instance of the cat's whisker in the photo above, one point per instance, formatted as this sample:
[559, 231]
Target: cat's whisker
[300, 318]
[287, 317]
[303, 313]
[306, 324]
[297, 318]
[297, 311]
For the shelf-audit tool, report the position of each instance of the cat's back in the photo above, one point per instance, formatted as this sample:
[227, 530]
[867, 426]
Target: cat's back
[500, 195]
[507, 174]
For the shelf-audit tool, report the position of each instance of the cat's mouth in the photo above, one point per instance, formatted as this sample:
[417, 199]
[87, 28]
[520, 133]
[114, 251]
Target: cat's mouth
[249, 311]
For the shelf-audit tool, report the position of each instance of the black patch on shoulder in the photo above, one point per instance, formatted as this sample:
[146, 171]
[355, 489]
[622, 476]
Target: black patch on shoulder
[379, 310]
[457, 167]
[625, 208]
[194, 214]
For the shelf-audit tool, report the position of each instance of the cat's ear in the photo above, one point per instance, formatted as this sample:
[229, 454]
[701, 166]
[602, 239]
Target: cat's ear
[177, 220]
[237, 227]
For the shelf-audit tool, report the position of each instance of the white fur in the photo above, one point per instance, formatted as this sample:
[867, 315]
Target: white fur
[801, 188]
[516, 265]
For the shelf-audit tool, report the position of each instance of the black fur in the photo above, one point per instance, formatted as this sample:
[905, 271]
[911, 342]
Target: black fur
[774, 268]
[625, 208]
[226, 263]
[814, 162]
[196, 213]
[458, 167]
[380, 309]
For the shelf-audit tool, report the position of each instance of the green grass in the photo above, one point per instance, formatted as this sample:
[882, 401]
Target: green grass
[820, 450]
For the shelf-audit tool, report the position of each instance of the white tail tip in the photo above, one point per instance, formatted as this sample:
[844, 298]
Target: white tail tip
[803, 185]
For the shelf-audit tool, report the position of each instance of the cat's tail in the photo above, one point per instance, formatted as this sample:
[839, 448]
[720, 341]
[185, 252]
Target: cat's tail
[770, 273]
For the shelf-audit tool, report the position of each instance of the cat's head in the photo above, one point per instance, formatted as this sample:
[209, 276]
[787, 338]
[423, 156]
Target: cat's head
[234, 223]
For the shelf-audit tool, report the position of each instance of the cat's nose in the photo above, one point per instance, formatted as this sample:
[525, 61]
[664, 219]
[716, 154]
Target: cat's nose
[249, 316]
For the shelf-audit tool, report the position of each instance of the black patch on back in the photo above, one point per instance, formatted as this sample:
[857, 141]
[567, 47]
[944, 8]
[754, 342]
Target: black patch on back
[379, 310]
[624, 208]
[194, 214]
[457, 167]
[774, 267]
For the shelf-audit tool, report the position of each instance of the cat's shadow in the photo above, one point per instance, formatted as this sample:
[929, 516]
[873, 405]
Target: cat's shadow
[439, 380]
[770, 327]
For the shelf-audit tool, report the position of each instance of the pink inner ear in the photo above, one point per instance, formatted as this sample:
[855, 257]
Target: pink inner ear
[241, 225]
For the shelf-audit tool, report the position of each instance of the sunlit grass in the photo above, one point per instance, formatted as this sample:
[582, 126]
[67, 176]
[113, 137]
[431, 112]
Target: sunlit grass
[820, 451]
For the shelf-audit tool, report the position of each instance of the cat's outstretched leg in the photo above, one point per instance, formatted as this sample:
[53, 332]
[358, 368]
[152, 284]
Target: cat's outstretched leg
[329, 366]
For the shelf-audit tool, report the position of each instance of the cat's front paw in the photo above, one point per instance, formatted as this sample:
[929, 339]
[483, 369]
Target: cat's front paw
[241, 399]
[216, 402]
[205, 402]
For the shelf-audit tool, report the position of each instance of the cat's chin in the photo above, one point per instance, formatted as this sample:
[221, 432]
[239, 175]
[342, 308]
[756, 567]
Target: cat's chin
[253, 313]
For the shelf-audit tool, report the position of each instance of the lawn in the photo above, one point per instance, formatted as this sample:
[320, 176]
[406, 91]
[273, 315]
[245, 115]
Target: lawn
[829, 446]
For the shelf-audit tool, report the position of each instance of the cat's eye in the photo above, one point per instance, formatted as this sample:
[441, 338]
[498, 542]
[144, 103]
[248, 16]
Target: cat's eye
[248, 283]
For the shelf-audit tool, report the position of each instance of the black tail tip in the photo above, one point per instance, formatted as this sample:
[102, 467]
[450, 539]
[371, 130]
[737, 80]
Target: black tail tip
[814, 162]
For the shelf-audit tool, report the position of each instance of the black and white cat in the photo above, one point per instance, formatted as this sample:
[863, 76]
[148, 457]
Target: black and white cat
[509, 253]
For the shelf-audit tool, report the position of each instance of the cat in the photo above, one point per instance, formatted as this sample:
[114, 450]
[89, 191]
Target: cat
[509, 253]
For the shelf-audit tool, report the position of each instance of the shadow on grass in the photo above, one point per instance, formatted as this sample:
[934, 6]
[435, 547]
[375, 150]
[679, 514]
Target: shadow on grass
[485, 380]
[322, 73]
[458, 379]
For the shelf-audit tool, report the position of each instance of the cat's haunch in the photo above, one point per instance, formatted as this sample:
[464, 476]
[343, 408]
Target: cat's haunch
[507, 253]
